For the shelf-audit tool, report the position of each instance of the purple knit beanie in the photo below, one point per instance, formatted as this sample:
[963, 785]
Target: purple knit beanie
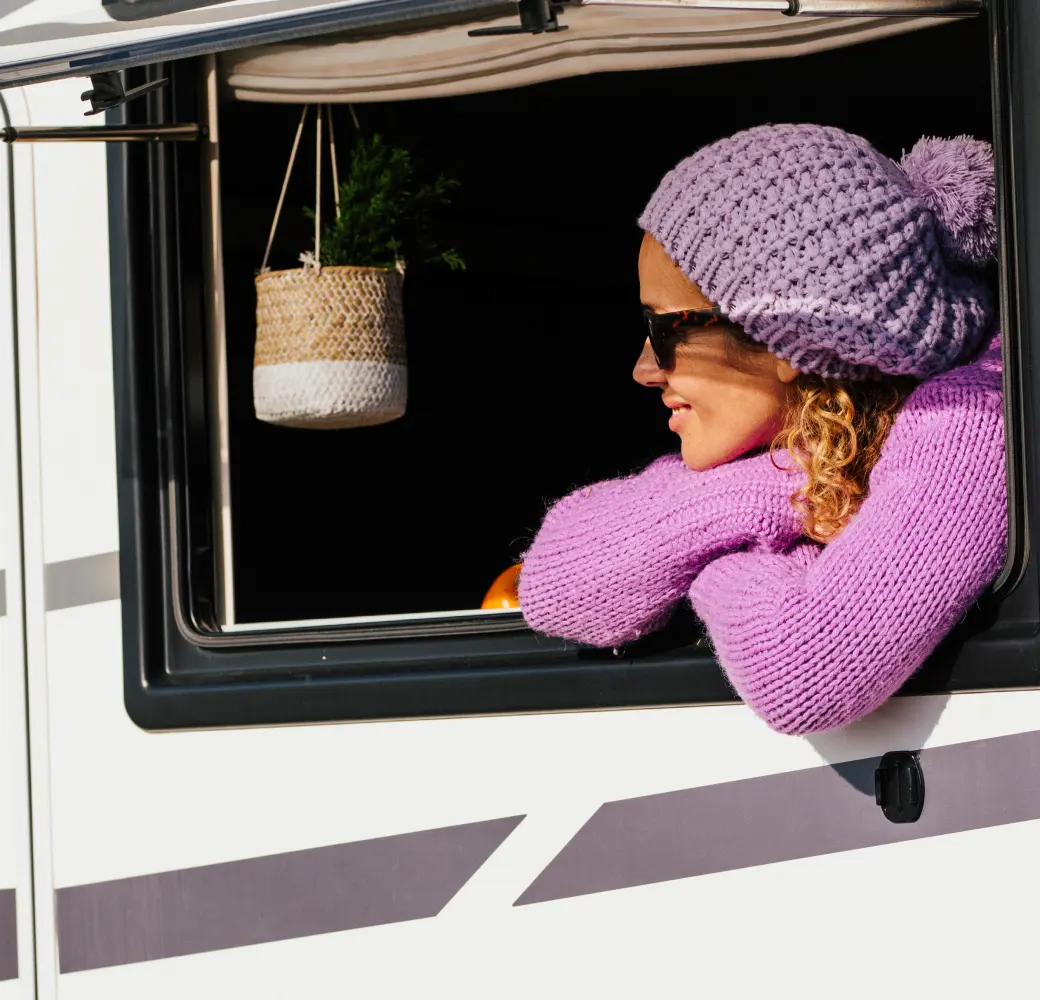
[832, 255]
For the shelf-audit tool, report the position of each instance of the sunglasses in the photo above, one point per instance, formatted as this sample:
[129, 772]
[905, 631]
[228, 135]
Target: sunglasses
[665, 330]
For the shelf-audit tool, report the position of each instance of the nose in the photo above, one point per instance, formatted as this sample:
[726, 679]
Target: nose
[646, 371]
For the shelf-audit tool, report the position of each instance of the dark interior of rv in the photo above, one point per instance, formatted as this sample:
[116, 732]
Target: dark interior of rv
[519, 366]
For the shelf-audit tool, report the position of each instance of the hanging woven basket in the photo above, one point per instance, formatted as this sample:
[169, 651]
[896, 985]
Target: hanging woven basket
[330, 349]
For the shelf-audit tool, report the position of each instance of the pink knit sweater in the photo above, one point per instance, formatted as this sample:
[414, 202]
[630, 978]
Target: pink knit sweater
[812, 637]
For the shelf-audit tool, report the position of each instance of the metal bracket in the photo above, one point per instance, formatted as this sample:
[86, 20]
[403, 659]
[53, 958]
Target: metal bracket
[536, 16]
[108, 92]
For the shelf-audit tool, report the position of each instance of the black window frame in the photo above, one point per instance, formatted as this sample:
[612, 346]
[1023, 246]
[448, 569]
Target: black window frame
[181, 672]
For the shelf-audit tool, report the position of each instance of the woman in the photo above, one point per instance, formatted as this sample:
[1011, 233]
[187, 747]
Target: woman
[821, 330]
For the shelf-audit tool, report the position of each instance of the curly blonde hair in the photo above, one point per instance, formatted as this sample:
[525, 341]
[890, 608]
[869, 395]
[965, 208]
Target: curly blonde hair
[834, 431]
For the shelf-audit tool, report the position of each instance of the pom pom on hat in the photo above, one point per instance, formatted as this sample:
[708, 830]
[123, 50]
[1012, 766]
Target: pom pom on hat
[955, 179]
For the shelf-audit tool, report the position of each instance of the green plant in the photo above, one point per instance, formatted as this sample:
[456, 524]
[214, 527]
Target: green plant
[386, 215]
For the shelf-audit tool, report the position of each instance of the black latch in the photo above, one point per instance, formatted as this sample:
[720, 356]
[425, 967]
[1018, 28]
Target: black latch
[108, 92]
[536, 16]
[899, 786]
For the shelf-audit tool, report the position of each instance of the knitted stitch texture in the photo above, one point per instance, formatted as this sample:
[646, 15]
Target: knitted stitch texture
[811, 637]
[611, 560]
[832, 255]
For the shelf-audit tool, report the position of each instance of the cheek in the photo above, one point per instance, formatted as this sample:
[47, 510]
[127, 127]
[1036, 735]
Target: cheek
[728, 420]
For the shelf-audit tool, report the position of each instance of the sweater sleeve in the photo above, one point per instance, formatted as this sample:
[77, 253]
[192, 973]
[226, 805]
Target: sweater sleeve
[816, 637]
[611, 560]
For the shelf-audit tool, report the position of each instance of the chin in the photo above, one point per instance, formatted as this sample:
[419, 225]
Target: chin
[700, 461]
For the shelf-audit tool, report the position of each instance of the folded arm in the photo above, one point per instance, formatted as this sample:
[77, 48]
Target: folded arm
[611, 560]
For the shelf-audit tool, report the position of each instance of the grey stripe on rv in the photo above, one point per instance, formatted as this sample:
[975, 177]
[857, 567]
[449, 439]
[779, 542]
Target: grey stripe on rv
[3, 592]
[8, 935]
[782, 817]
[88, 580]
[273, 898]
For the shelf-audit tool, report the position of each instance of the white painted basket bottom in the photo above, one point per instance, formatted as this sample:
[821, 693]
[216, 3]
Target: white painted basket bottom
[330, 394]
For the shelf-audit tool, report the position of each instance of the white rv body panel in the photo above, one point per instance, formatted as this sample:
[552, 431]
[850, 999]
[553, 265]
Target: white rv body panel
[32, 548]
[811, 929]
[16, 923]
[946, 915]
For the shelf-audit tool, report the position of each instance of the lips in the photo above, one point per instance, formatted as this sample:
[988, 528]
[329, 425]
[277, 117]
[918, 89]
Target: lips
[679, 410]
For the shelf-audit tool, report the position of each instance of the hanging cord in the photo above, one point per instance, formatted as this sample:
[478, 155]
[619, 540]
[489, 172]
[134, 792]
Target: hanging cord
[285, 185]
[335, 169]
[317, 194]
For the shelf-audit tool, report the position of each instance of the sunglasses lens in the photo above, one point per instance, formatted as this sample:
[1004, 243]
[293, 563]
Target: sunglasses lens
[665, 330]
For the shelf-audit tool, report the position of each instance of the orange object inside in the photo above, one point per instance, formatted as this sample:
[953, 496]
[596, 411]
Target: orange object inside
[502, 593]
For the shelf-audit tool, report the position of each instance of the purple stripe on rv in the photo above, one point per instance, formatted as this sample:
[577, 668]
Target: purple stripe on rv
[8, 935]
[86, 580]
[782, 817]
[272, 898]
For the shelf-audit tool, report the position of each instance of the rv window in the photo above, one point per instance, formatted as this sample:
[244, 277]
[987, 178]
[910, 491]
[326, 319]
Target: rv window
[514, 399]
[340, 573]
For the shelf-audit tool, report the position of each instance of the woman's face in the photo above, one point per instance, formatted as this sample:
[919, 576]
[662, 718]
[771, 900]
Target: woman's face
[718, 411]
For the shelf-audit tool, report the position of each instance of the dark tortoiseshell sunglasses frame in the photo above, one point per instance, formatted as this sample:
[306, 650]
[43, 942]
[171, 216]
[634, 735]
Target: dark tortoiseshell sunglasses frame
[665, 330]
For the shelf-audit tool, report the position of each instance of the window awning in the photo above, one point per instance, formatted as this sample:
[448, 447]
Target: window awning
[599, 38]
[47, 39]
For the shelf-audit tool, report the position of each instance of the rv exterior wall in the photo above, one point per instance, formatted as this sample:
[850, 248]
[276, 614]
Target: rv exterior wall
[724, 901]
[17, 974]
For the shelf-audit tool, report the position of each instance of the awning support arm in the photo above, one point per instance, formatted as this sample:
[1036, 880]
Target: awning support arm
[103, 133]
[537, 16]
[817, 8]
[108, 92]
